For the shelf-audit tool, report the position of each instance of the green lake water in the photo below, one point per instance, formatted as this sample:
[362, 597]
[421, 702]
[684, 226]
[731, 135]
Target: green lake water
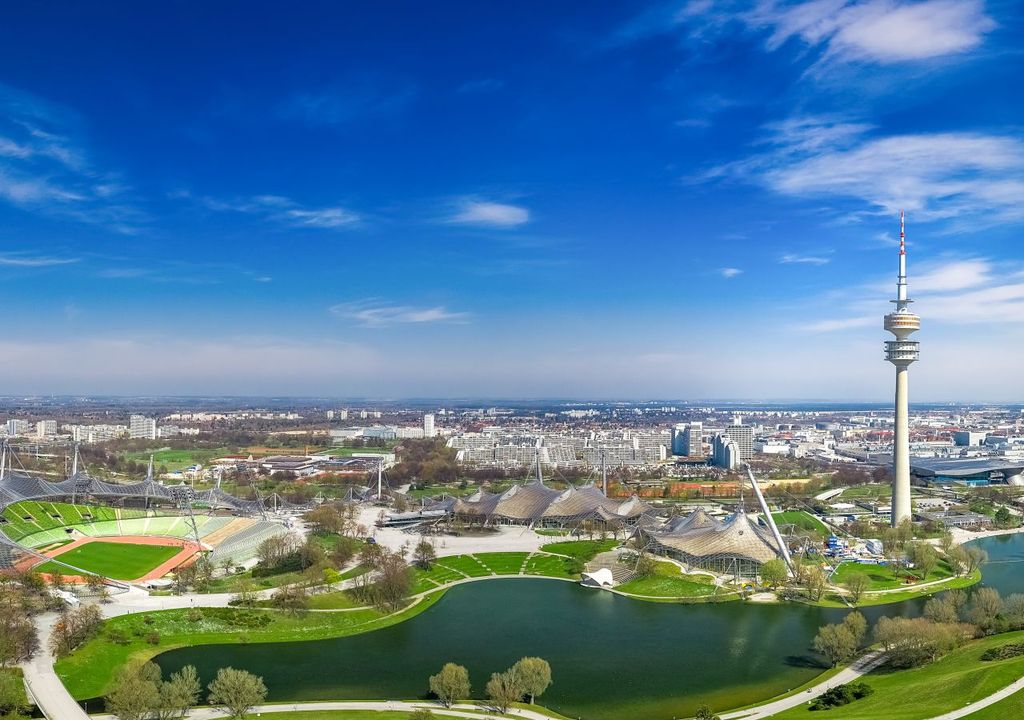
[612, 658]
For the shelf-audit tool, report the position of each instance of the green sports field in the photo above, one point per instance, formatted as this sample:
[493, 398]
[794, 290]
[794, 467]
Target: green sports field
[120, 561]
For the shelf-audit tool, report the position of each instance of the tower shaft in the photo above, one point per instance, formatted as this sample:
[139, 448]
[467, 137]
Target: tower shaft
[901, 352]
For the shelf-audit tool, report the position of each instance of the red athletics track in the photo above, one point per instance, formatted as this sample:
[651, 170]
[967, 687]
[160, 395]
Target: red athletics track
[189, 550]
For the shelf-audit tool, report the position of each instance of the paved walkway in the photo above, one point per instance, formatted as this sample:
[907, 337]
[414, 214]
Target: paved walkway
[974, 707]
[462, 711]
[864, 665]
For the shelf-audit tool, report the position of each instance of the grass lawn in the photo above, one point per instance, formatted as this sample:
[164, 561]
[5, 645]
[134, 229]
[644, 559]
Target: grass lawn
[507, 563]
[119, 561]
[552, 565]
[1011, 707]
[340, 600]
[882, 578]
[580, 549]
[956, 680]
[466, 564]
[803, 520]
[89, 670]
[912, 591]
[177, 459]
[669, 581]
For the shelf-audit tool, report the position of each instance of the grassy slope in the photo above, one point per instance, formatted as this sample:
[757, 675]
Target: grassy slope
[177, 459]
[802, 520]
[580, 549]
[882, 577]
[952, 682]
[120, 561]
[1011, 707]
[88, 671]
[669, 581]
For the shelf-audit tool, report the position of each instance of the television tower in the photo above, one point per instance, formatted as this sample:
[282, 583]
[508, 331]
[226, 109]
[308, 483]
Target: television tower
[901, 352]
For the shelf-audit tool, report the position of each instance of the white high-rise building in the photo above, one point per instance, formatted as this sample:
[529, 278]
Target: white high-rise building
[343, 414]
[46, 428]
[17, 427]
[141, 427]
[693, 439]
[901, 352]
[428, 426]
[743, 436]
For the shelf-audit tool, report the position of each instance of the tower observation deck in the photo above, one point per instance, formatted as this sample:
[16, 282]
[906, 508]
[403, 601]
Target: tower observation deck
[901, 352]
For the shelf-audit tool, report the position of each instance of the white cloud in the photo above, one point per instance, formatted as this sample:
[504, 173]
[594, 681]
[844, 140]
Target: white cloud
[472, 211]
[729, 272]
[881, 31]
[869, 31]
[934, 176]
[34, 261]
[45, 168]
[793, 258]
[374, 312]
[286, 211]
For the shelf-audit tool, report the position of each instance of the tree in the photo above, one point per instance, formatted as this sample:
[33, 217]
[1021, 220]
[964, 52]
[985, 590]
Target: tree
[424, 554]
[924, 558]
[293, 599]
[704, 713]
[914, 641]
[534, 676]
[73, 628]
[857, 625]
[958, 559]
[814, 583]
[19, 640]
[976, 557]
[503, 689]
[1002, 516]
[856, 584]
[421, 714]
[941, 610]
[986, 606]
[237, 691]
[774, 573]
[180, 693]
[451, 684]
[835, 642]
[136, 693]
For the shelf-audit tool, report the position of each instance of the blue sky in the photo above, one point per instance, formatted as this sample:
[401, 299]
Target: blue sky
[679, 199]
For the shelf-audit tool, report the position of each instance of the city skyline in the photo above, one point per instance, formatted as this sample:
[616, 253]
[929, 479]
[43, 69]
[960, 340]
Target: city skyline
[686, 200]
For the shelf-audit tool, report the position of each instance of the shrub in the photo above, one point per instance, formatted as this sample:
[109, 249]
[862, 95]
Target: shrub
[1003, 652]
[841, 695]
[153, 638]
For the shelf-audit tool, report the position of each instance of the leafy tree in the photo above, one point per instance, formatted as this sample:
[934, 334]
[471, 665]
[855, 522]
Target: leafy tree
[1002, 516]
[424, 554]
[941, 609]
[293, 599]
[836, 643]
[237, 692]
[774, 573]
[451, 684]
[976, 557]
[924, 558]
[914, 641]
[815, 583]
[73, 628]
[857, 625]
[704, 713]
[179, 694]
[534, 676]
[986, 606]
[958, 559]
[136, 693]
[503, 689]
[19, 640]
[856, 584]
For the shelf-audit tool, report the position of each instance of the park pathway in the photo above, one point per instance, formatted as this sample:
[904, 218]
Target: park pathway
[863, 665]
[461, 711]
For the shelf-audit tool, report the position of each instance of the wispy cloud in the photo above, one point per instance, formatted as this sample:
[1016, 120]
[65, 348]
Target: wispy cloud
[353, 99]
[934, 176]
[284, 210]
[865, 31]
[24, 260]
[477, 211]
[729, 272]
[793, 258]
[375, 312]
[44, 168]
[483, 85]
[960, 291]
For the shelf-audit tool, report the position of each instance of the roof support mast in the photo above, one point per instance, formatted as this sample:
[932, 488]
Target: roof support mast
[770, 520]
